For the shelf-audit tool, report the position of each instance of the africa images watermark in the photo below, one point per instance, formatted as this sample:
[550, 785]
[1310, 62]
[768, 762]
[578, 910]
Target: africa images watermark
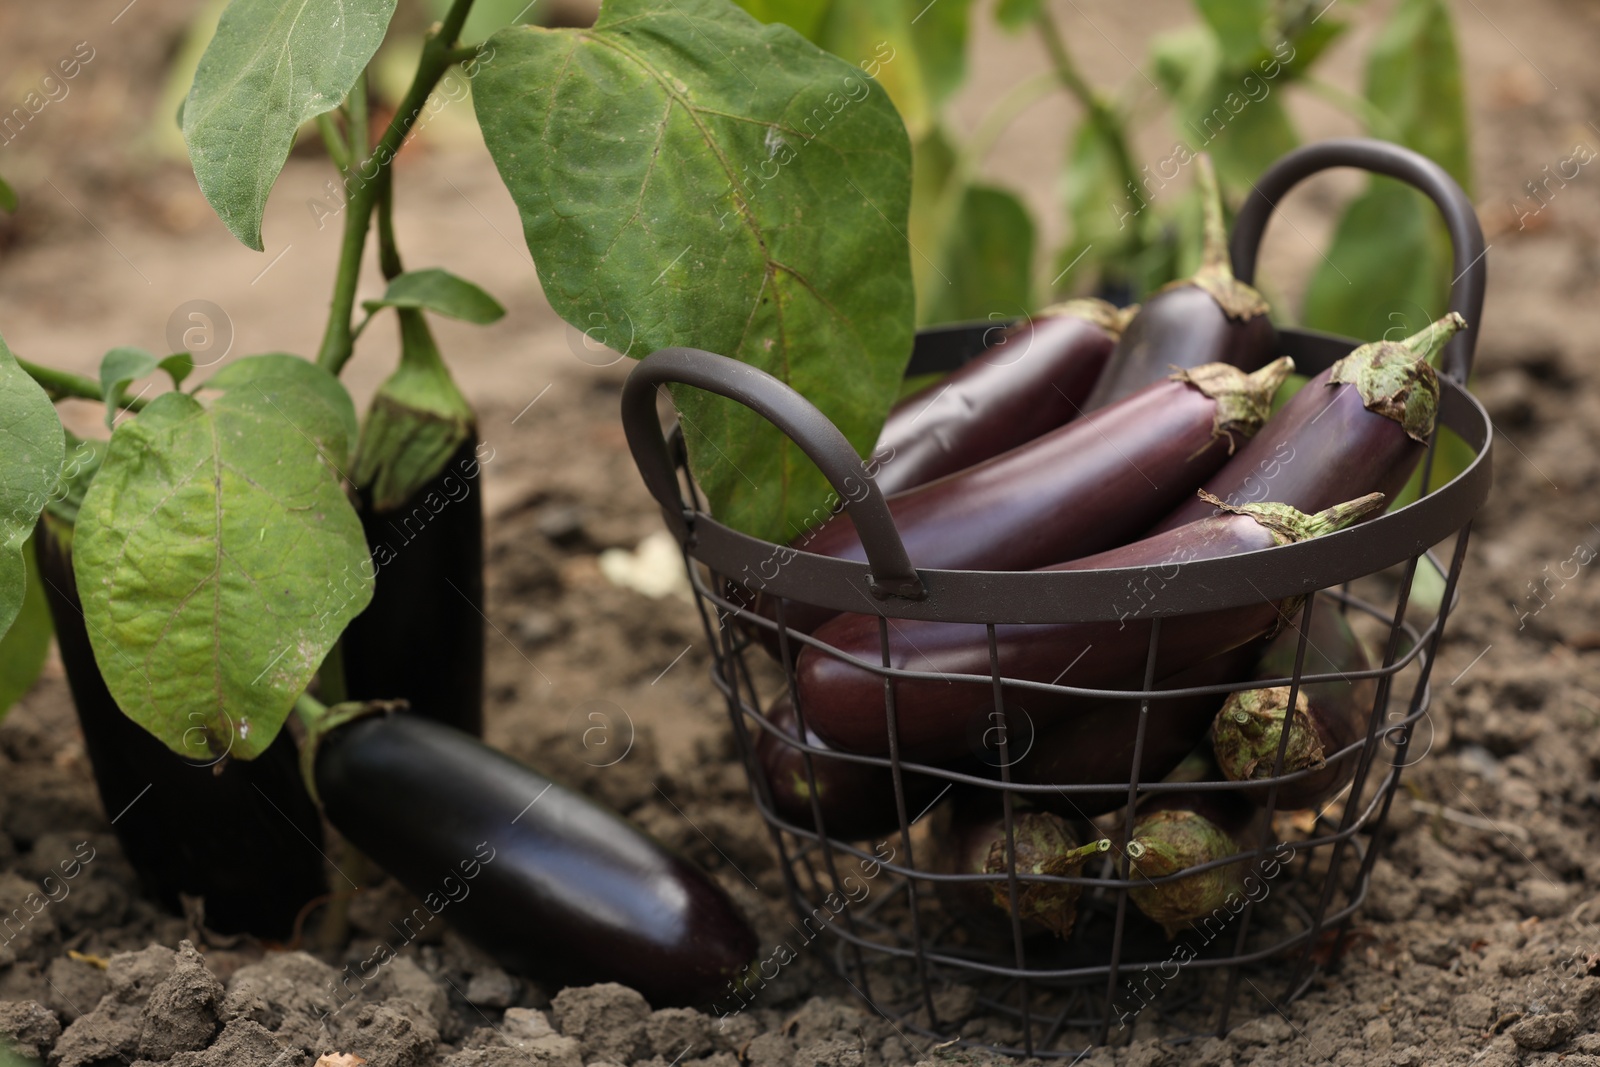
[13, 926]
[52, 89]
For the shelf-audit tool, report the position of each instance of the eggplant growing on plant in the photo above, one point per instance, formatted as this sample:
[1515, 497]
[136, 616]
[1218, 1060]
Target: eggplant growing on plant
[1329, 716]
[1175, 831]
[1034, 378]
[421, 638]
[1087, 486]
[545, 880]
[1210, 317]
[857, 799]
[1045, 844]
[845, 703]
[1361, 426]
[241, 834]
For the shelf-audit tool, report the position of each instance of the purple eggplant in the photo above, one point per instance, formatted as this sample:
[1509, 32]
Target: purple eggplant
[845, 703]
[1359, 427]
[1328, 715]
[975, 843]
[1175, 831]
[1211, 317]
[1095, 746]
[1035, 377]
[1085, 487]
[857, 799]
[548, 882]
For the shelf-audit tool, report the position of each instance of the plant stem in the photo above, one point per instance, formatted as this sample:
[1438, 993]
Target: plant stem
[439, 53]
[1100, 114]
[333, 140]
[360, 137]
[309, 710]
[60, 384]
[388, 250]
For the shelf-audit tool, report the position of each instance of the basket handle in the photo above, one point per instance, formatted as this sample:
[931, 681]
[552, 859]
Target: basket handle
[1395, 161]
[800, 421]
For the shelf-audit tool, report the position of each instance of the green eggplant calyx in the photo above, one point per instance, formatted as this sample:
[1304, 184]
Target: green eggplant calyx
[323, 721]
[1395, 378]
[1249, 729]
[1166, 842]
[415, 424]
[1236, 299]
[1044, 845]
[1110, 318]
[1289, 525]
[1244, 401]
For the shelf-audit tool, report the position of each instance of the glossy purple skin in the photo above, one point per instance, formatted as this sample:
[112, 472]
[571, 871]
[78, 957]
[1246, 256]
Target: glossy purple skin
[1181, 327]
[545, 880]
[845, 704]
[1092, 484]
[1035, 378]
[1339, 711]
[1319, 449]
[1096, 745]
[857, 800]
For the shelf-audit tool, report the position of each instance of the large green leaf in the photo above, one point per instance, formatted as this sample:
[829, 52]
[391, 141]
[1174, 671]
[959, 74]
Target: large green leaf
[77, 474]
[442, 292]
[805, 16]
[1105, 216]
[32, 445]
[915, 50]
[687, 176]
[27, 643]
[272, 66]
[988, 259]
[218, 557]
[1414, 78]
[1385, 273]
[1244, 136]
[274, 370]
[933, 161]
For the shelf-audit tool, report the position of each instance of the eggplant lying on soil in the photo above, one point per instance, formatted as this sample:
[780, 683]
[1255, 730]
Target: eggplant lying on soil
[1175, 831]
[545, 880]
[1211, 317]
[1034, 378]
[845, 702]
[1361, 426]
[1093, 483]
[1095, 745]
[417, 471]
[1328, 715]
[242, 835]
[857, 799]
[1045, 844]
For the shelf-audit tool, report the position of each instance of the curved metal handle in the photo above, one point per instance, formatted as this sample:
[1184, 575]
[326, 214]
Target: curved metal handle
[800, 421]
[1394, 161]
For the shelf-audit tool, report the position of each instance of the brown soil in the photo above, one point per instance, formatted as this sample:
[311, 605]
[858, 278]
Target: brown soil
[1478, 943]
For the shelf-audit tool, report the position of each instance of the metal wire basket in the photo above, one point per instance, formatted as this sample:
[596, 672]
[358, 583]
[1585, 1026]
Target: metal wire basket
[898, 948]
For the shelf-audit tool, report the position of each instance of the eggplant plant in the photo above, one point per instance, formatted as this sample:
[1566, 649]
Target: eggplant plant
[244, 546]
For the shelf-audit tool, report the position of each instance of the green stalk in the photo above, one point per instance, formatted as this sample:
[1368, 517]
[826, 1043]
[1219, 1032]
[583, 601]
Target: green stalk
[388, 250]
[1100, 114]
[333, 140]
[60, 385]
[439, 54]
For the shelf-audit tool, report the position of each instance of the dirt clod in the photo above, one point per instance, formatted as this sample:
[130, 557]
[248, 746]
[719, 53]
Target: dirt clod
[31, 1027]
[183, 1011]
[1543, 1031]
[607, 1020]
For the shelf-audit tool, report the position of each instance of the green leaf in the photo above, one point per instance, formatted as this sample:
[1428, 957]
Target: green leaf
[919, 65]
[1386, 270]
[8, 197]
[1104, 214]
[25, 645]
[805, 16]
[1185, 62]
[694, 178]
[1414, 78]
[933, 160]
[440, 291]
[77, 473]
[282, 370]
[1017, 15]
[32, 444]
[1238, 25]
[178, 367]
[1245, 136]
[219, 558]
[988, 259]
[271, 67]
[119, 368]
